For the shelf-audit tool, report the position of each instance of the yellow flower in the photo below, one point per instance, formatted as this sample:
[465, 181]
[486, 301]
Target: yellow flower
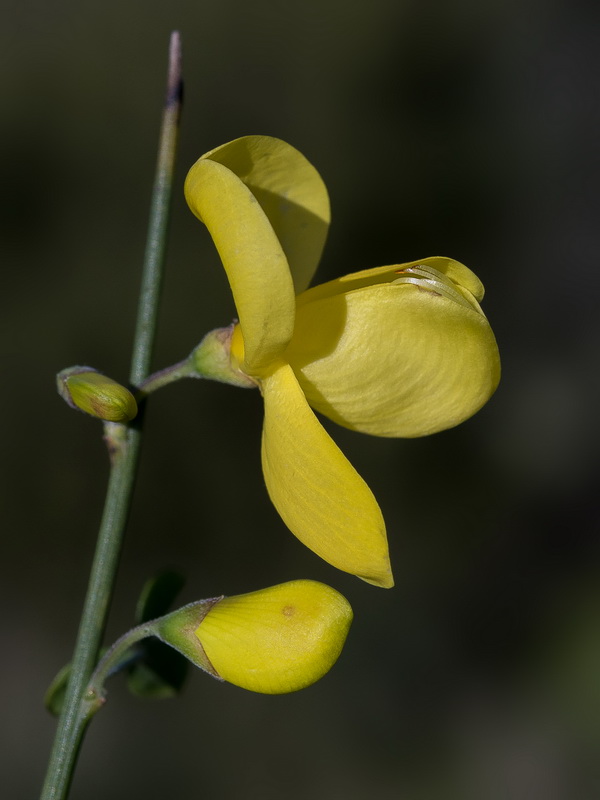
[276, 640]
[403, 350]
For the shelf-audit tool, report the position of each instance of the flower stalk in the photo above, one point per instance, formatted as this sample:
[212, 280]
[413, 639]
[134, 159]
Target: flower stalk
[76, 712]
[210, 359]
[166, 376]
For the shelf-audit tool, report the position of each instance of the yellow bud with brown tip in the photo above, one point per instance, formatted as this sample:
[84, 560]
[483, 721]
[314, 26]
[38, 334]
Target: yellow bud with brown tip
[93, 393]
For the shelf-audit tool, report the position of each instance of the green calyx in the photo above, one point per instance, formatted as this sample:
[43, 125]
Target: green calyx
[178, 629]
[212, 359]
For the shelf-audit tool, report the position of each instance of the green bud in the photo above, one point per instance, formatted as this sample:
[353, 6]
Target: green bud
[88, 390]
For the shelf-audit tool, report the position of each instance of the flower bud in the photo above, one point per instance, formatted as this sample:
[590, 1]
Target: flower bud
[88, 390]
[275, 640]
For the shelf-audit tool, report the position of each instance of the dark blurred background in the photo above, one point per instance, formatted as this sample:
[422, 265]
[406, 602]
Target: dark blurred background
[458, 128]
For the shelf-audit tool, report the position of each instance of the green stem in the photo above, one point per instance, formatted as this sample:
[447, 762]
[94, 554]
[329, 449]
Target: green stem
[74, 717]
[112, 661]
[183, 369]
[159, 220]
[210, 359]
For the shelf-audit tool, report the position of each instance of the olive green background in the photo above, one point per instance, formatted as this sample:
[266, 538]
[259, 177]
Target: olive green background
[462, 128]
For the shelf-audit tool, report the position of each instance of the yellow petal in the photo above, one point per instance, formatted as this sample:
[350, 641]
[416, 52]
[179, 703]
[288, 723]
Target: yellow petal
[291, 193]
[279, 639]
[395, 359]
[256, 266]
[315, 489]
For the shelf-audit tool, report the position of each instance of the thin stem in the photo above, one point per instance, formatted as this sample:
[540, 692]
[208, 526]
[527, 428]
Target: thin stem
[71, 726]
[113, 660]
[73, 719]
[183, 369]
[210, 359]
[159, 220]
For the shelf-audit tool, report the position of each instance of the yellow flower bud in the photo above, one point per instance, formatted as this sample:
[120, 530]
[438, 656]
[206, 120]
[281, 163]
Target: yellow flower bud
[88, 390]
[276, 640]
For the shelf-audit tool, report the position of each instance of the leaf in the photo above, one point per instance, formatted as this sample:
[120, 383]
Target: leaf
[55, 695]
[159, 671]
[158, 595]
[159, 674]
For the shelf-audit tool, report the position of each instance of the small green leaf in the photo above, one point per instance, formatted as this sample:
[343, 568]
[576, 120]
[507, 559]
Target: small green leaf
[159, 671]
[157, 595]
[159, 674]
[55, 695]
